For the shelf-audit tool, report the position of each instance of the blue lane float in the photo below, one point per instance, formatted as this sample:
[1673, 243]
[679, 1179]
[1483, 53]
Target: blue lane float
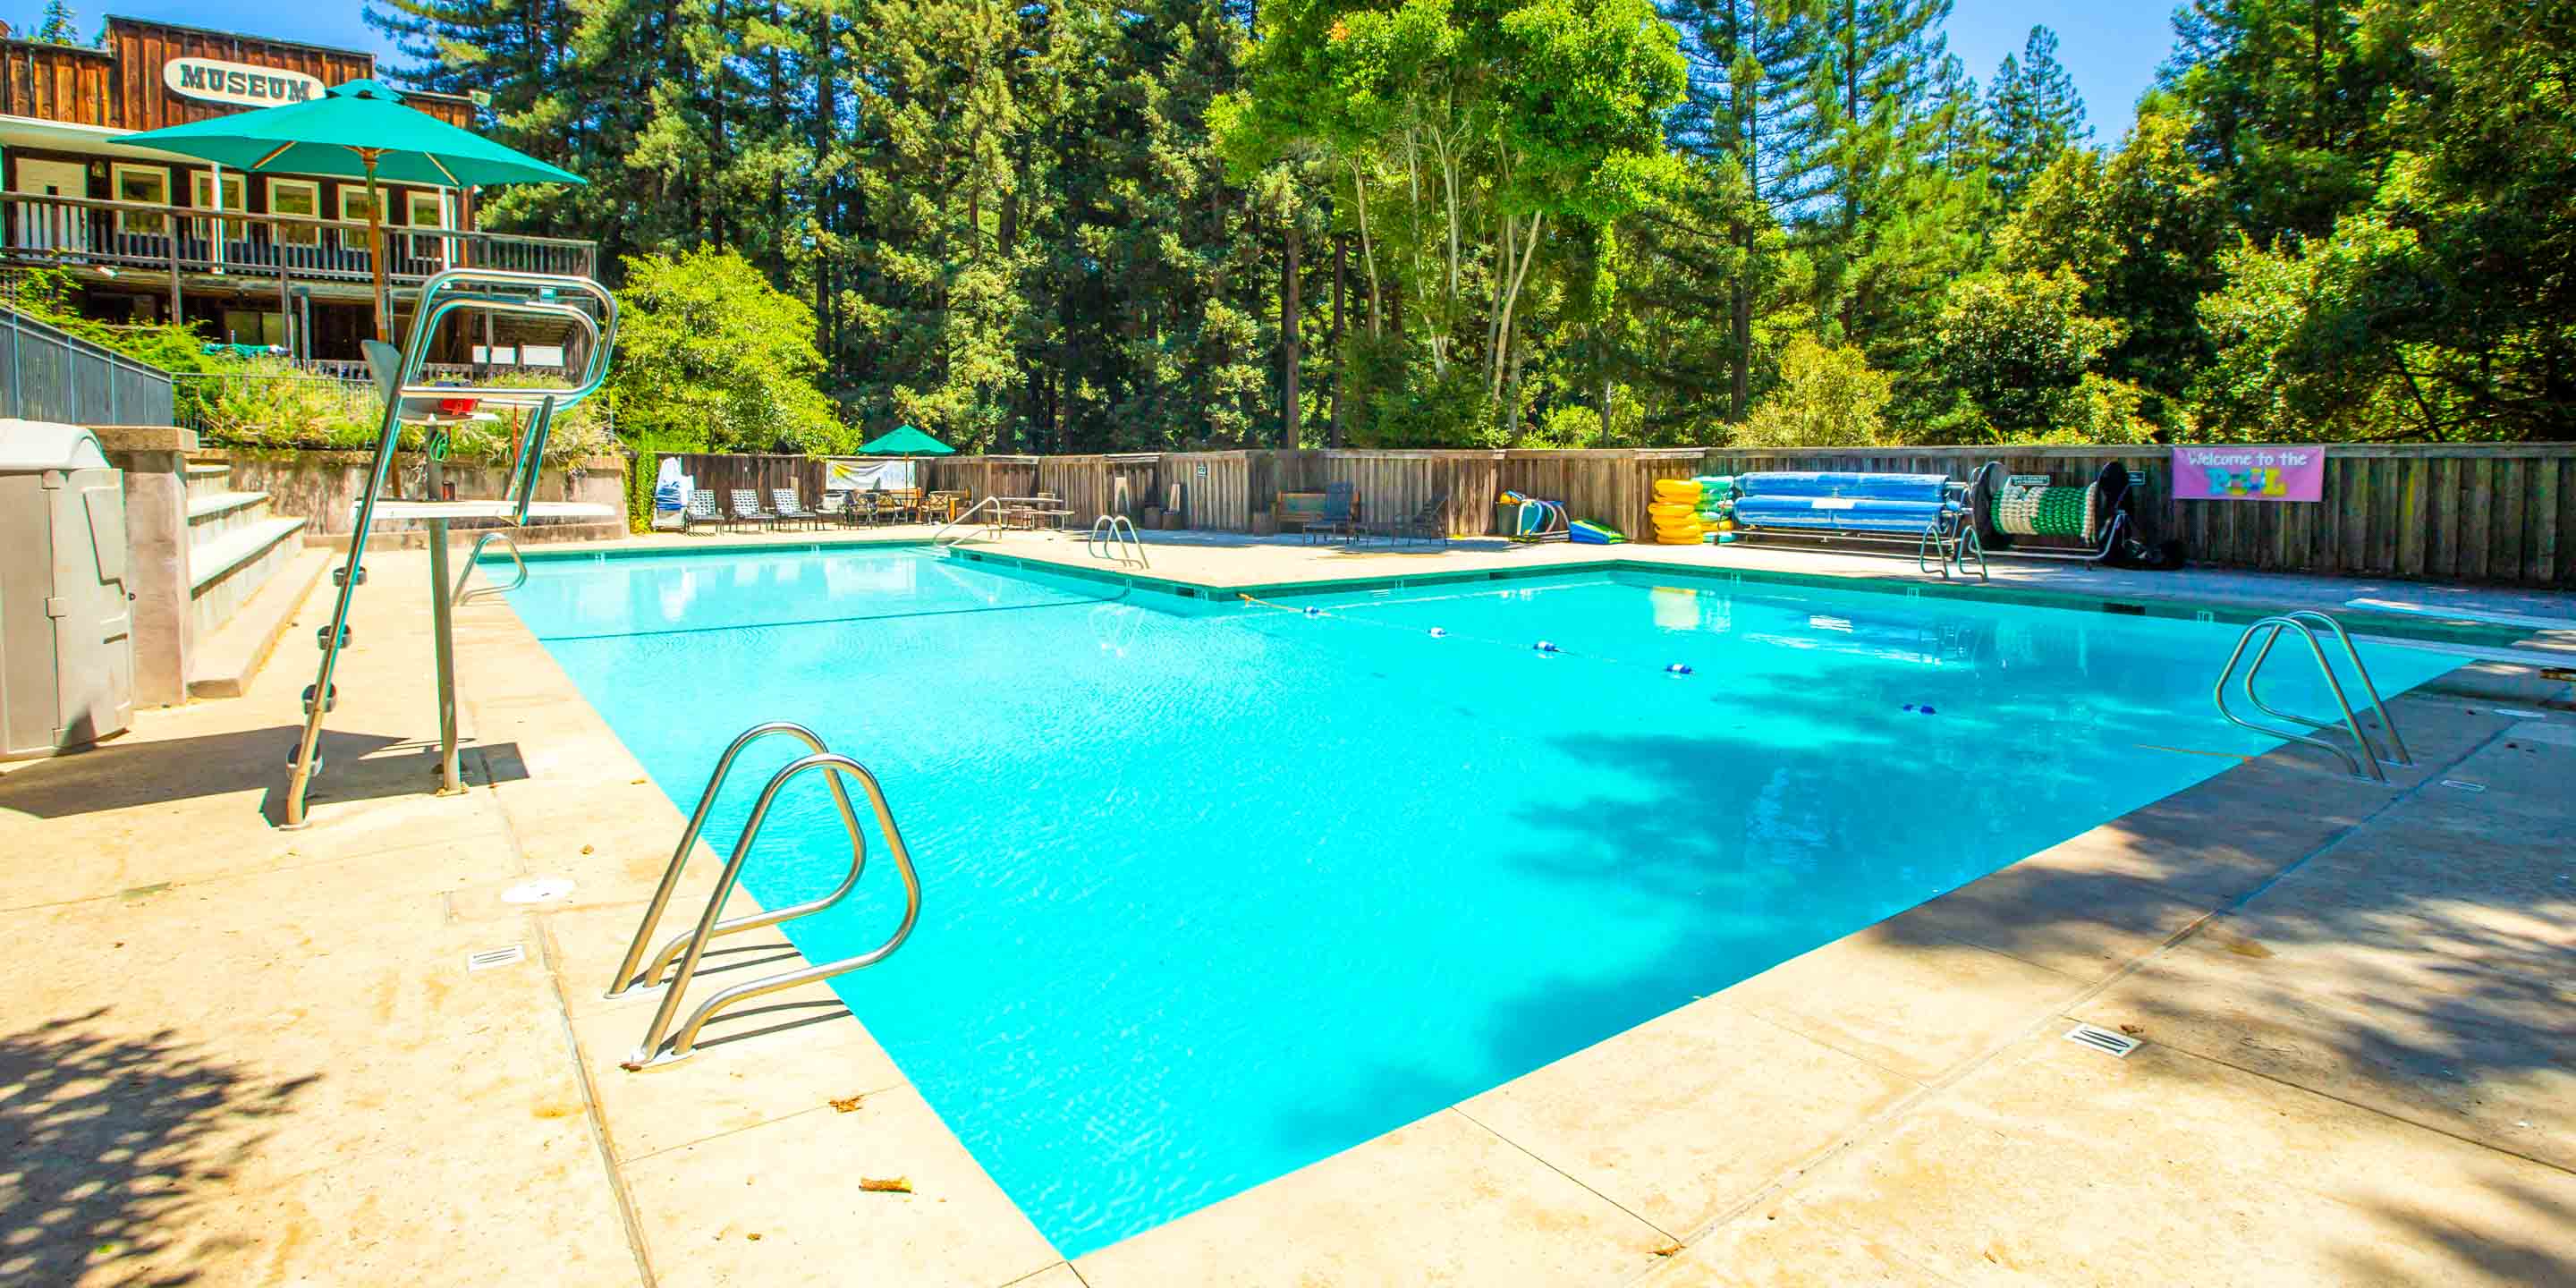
[1544, 646]
[1678, 668]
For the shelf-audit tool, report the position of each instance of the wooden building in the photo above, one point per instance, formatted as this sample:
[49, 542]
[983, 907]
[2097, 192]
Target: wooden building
[276, 260]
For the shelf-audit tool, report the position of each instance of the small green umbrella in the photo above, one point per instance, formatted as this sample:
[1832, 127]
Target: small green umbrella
[353, 130]
[906, 441]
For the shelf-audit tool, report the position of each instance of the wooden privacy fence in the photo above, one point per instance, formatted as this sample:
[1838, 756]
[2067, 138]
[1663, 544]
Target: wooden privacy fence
[2494, 513]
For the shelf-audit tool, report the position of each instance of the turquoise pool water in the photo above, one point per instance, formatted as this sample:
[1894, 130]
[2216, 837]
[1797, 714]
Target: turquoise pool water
[1212, 891]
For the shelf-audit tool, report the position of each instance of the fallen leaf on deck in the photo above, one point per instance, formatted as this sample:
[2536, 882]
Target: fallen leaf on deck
[849, 1105]
[1669, 1250]
[2247, 948]
[885, 1184]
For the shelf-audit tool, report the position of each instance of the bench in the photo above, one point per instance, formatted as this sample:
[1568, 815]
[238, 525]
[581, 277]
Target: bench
[1928, 511]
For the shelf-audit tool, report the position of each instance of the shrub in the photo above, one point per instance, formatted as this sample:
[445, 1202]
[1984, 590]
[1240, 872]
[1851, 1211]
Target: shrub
[267, 402]
[1827, 397]
[711, 357]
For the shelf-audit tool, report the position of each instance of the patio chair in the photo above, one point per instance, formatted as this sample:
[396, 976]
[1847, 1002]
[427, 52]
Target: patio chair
[1340, 515]
[701, 509]
[1429, 523]
[790, 509]
[746, 508]
[836, 508]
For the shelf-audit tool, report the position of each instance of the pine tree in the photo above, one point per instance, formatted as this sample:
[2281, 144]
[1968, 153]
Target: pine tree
[2036, 114]
[1869, 91]
[59, 26]
[1749, 63]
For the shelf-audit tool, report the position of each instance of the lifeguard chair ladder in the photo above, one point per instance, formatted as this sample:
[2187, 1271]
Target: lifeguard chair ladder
[409, 402]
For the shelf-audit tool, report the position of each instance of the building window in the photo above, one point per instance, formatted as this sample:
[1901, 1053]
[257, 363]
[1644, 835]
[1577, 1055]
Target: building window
[353, 209]
[426, 210]
[252, 326]
[142, 185]
[201, 186]
[296, 197]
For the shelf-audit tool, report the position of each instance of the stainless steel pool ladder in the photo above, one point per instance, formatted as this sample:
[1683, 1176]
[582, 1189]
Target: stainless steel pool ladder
[992, 503]
[1112, 537]
[690, 946]
[474, 559]
[2305, 622]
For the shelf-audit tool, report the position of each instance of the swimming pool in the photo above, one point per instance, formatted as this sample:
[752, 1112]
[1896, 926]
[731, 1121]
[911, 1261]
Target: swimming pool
[1213, 891]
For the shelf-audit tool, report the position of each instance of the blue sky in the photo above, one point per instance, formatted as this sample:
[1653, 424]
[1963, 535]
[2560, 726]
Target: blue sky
[2111, 46]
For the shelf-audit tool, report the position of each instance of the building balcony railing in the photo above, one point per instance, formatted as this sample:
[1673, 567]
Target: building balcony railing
[83, 233]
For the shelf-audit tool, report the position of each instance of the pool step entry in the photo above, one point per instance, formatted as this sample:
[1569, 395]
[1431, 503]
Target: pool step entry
[591, 312]
[2306, 623]
[663, 1045]
[1113, 536]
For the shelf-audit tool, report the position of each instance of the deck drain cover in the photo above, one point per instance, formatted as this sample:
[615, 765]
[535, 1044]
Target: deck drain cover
[491, 958]
[2101, 1039]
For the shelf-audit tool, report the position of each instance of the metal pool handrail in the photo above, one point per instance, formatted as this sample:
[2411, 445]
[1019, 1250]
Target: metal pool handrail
[2367, 763]
[991, 501]
[474, 558]
[1112, 536]
[691, 946]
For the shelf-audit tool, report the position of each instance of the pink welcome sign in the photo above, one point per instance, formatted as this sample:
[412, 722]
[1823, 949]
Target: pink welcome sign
[2249, 472]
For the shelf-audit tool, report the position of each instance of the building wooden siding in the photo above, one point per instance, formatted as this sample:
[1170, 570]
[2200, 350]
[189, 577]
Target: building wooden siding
[2442, 512]
[120, 86]
[58, 83]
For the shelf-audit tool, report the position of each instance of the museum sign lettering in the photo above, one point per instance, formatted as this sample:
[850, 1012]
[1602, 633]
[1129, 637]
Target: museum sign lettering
[221, 82]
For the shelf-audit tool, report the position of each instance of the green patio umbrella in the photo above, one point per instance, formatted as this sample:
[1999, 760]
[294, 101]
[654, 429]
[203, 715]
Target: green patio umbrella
[360, 129]
[906, 441]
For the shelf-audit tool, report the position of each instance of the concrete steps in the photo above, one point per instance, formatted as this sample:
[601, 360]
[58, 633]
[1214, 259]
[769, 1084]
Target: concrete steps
[226, 660]
[236, 549]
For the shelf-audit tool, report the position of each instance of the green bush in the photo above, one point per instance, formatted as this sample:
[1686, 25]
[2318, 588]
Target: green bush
[267, 402]
[711, 357]
[1827, 397]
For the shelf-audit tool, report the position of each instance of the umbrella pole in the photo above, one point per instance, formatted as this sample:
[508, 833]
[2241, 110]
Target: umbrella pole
[376, 245]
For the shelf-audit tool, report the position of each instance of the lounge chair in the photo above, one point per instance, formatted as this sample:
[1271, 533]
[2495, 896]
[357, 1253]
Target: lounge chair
[1340, 514]
[746, 508]
[1429, 523]
[791, 510]
[700, 509]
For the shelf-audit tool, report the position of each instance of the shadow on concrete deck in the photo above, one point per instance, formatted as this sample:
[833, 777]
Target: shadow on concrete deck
[126, 774]
[110, 1141]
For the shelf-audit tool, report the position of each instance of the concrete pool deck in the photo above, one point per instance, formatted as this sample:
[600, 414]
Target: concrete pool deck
[239, 1055]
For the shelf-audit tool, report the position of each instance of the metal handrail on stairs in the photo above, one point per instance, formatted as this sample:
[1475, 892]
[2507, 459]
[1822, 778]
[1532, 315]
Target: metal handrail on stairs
[687, 948]
[2304, 621]
[1112, 536]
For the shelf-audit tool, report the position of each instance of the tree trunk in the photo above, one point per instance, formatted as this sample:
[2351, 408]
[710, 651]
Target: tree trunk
[1289, 308]
[1341, 257]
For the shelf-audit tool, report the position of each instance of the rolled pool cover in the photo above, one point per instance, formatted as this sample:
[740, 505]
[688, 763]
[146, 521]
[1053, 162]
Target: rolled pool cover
[2048, 511]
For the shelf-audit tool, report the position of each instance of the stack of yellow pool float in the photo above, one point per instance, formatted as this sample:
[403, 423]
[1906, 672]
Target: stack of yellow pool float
[1676, 512]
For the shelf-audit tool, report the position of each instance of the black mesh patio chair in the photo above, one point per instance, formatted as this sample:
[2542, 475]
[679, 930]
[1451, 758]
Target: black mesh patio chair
[1340, 515]
[1428, 524]
[701, 510]
[746, 508]
[791, 510]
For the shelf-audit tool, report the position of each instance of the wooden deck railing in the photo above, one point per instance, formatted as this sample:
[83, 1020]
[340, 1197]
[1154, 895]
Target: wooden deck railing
[82, 233]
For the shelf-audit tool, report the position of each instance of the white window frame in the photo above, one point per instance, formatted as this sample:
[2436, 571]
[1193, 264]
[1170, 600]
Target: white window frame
[116, 185]
[352, 239]
[305, 235]
[433, 249]
[236, 200]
